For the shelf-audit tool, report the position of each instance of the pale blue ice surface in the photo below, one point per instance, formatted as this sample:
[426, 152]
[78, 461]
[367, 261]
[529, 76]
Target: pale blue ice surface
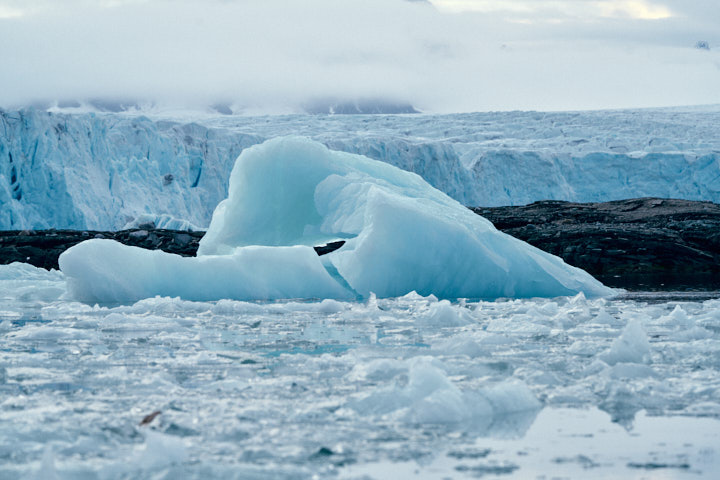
[400, 235]
[570, 386]
[103, 171]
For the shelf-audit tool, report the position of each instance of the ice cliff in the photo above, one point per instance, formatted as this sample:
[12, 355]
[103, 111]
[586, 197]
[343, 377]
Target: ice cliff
[290, 193]
[103, 171]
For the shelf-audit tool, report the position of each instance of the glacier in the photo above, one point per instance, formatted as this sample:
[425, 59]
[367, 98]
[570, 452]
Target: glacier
[290, 193]
[104, 171]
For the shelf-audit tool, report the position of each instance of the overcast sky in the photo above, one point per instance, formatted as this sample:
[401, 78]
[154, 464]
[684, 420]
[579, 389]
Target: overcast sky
[441, 56]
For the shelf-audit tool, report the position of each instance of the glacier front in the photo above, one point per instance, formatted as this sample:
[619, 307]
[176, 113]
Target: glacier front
[103, 171]
[291, 193]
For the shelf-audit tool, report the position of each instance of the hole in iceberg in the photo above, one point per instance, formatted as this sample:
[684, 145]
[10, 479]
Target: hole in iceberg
[382, 230]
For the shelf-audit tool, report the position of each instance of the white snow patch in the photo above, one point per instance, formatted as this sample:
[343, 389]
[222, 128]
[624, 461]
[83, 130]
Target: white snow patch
[161, 221]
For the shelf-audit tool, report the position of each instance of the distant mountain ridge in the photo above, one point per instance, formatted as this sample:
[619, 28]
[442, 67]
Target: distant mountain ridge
[329, 106]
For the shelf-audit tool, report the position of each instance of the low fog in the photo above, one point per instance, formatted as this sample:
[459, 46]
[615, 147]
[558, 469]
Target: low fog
[447, 56]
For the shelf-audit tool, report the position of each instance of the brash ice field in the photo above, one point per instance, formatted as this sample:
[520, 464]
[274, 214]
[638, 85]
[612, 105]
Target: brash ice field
[413, 386]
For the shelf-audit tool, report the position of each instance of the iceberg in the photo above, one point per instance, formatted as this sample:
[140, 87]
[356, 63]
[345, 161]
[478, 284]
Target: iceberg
[106, 271]
[290, 193]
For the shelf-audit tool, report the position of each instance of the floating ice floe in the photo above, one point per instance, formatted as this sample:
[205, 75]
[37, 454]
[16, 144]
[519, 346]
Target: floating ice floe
[290, 193]
[431, 398]
[632, 346]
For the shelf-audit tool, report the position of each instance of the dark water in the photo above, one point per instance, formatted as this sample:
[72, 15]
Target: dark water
[665, 288]
[704, 282]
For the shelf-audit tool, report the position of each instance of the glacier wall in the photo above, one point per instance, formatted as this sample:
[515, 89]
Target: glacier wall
[101, 171]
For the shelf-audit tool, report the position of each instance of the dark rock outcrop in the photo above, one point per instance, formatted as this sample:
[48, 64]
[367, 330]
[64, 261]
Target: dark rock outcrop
[42, 248]
[639, 244]
[659, 241]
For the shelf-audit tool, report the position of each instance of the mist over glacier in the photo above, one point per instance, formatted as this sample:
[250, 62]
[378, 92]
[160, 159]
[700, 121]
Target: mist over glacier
[279, 56]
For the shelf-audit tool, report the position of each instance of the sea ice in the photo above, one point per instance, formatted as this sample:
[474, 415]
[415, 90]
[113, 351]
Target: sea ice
[296, 389]
[632, 346]
[443, 314]
[101, 270]
[290, 193]
[430, 397]
[24, 282]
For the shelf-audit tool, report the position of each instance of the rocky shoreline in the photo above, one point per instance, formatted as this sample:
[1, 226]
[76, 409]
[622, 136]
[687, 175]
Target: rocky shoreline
[638, 244]
[42, 248]
[642, 243]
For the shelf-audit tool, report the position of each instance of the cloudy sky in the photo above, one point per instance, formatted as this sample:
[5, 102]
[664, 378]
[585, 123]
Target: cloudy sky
[439, 55]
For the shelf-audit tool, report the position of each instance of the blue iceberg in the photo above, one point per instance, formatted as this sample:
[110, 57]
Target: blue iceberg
[291, 193]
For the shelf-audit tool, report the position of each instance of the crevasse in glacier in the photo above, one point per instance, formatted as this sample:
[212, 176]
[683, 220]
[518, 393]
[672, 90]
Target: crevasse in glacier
[290, 193]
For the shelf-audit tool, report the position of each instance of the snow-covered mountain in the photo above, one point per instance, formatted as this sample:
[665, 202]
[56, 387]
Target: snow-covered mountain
[101, 171]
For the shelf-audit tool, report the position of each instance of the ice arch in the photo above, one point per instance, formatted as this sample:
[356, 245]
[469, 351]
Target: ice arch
[400, 235]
